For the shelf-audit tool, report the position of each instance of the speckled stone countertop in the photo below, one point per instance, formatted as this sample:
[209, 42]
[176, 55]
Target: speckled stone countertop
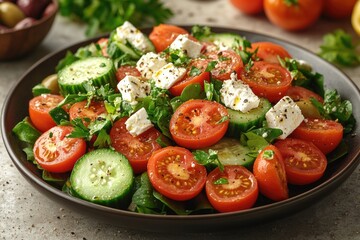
[27, 214]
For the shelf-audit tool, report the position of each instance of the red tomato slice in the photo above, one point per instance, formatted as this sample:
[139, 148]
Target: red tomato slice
[136, 149]
[325, 134]
[198, 123]
[269, 52]
[39, 108]
[164, 34]
[199, 64]
[304, 162]
[127, 70]
[239, 192]
[269, 171]
[227, 62]
[55, 152]
[88, 114]
[268, 80]
[298, 93]
[175, 173]
[103, 43]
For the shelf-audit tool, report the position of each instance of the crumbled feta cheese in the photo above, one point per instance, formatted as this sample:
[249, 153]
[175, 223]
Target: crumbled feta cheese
[285, 115]
[237, 95]
[150, 63]
[128, 33]
[222, 46]
[132, 88]
[168, 75]
[191, 48]
[138, 122]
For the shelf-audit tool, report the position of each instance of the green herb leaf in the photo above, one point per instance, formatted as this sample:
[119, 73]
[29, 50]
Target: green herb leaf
[208, 158]
[192, 91]
[268, 154]
[104, 16]
[194, 71]
[338, 48]
[221, 181]
[200, 31]
[39, 89]
[211, 65]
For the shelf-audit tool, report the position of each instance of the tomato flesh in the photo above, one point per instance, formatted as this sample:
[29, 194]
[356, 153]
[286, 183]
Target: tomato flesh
[269, 52]
[304, 162]
[55, 152]
[298, 93]
[239, 192]
[164, 34]
[325, 134]
[136, 149]
[227, 63]
[126, 70]
[87, 113]
[270, 174]
[174, 172]
[39, 108]
[267, 80]
[198, 124]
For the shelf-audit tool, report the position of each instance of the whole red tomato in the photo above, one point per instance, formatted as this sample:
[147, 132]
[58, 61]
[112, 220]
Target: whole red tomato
[248, 7]
[293, 14]
[337, 9]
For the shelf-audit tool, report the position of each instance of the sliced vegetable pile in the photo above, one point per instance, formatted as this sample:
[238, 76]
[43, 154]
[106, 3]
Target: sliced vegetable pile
[183, 123]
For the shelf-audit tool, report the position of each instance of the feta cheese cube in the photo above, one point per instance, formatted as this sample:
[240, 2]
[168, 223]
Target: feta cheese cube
[190, 47]
[150, 63]
[138, 123]
[132, 88]
[128, 33]
[168, 75]
[238, 96]
[285, 115]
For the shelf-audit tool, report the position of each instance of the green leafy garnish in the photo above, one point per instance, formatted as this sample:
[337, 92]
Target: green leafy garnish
[105, 15]
[208, 159]
[39, 89]
[200, 31]
[338, 48]
[268, 154]
[221, 181]
[194, 71]
[211, 65]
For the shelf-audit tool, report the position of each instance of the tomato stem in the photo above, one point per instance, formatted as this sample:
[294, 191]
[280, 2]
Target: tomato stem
[290, 3]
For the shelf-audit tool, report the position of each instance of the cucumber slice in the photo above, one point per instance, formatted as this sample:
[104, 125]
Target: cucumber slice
[103, 176]
[242, 122]
[118, 49]
[227, 39]
[231, 152]
[97, 71]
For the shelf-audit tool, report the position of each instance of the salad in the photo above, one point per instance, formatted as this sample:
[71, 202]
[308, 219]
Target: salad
[182, 122]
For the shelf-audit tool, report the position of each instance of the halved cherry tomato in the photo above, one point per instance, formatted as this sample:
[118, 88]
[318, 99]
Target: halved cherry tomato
[227, 62]
[103, 43]
[200, 65]
[269, 52]
[293, 15]
[337, 9]
[298, 93]
[87, 113]
[136, 149]
[233, 189]
[269, 171]
[304, 162]
[199, 123]
[268, 80]
[175, 173]
[164, 34]
[39, 108]
[127, 70]
[55, 152]
[325, 134]
[249, 7]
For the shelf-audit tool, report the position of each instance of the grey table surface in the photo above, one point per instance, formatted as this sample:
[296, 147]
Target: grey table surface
[27, 214]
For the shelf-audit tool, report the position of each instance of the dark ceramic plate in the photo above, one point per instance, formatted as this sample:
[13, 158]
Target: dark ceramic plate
[14, 110]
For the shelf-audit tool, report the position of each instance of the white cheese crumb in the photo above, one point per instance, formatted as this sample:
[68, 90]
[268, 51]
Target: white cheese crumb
[285, 115]
[132, 88]
[168, 75]
[138, 123]
[191, 48]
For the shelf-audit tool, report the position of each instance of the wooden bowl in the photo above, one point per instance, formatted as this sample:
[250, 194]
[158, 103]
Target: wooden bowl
[17, 43]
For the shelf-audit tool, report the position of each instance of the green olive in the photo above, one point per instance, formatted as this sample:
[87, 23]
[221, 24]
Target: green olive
[308, 109]
[10, 14]
[51, 82]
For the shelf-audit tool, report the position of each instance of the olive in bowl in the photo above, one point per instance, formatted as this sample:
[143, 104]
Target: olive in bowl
[23, 27]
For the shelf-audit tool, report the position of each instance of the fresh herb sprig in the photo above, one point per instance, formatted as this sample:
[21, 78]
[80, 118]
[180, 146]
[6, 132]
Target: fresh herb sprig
[338, 47]
[106, 15]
